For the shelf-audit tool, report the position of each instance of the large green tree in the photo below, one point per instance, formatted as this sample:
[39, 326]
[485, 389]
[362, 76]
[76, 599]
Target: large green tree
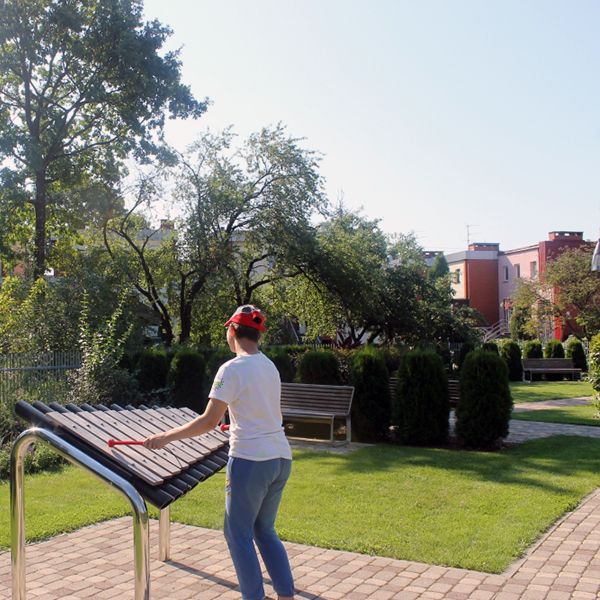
[246, 224]
[576, 290]
[83, 83]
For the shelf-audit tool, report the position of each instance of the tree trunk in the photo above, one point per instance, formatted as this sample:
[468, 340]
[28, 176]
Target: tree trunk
[186, 321]
[40, 225]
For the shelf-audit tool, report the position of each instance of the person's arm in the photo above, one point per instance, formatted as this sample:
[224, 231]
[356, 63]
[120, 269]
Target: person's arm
[208, 420]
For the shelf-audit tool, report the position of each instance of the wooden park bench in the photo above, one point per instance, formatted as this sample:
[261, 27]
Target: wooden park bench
[453, 389]
[317, 403]
[549, 366]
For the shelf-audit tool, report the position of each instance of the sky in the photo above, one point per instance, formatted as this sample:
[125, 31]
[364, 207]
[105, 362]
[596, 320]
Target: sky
[457, 120]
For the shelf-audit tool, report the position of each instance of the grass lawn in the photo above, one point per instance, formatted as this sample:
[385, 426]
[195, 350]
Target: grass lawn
[474, 510]
[549, 390]
[573, 415]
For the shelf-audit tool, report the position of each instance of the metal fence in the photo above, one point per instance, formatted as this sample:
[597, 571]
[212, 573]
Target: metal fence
[40, 376]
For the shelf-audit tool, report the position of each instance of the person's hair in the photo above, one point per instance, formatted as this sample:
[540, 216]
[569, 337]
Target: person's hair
[243, 331]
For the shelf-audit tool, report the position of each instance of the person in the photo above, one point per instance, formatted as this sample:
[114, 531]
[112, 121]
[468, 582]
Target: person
[260, 457]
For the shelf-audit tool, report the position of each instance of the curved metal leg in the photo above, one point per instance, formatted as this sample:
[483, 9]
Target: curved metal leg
[76, 456]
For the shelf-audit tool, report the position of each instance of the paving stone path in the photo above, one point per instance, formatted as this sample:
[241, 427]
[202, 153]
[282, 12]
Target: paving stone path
[97, 562]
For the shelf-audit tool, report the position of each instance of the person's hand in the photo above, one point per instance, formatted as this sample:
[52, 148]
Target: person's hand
[156, 441]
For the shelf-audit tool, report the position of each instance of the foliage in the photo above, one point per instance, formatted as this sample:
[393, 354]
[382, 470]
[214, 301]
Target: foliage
[532, 311]
[100, 379]
[283, 362]
[214, 359]
[490, 347]
[594, 366]
[485, 404]
[151, 370]
[532, 349]
[577, 289]
[320, 367]
[41, 457]
[574, 350]
[463, 352]
[186, 380]
[82, 84]
[554, 349]
[511, 353]
[371, 407]
[421, 406]
[439, 267]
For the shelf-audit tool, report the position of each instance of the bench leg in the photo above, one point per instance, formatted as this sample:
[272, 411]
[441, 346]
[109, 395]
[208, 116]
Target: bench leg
[331, 430]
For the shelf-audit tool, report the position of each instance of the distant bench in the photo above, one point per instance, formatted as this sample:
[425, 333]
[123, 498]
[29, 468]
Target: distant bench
[453, 389]
[549, 366]
[317, 403]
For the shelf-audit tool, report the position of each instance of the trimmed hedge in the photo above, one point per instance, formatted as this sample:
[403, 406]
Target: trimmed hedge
[421, 405]
[554, 349]
[152, 369]
[575, 351]
[283, 362]
[187, 380]
[490, 347]
[485, 404]
[533, 349]
[371, 404]
[464, 350]
[511, 353]
[594, 372]
[320, 367]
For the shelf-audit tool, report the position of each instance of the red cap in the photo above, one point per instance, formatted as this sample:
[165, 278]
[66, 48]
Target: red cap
[248, 315]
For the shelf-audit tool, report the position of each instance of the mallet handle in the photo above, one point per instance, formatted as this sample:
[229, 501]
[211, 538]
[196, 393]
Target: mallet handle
[112, 443]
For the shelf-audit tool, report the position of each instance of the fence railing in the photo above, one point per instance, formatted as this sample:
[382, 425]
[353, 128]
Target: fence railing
[37, 376]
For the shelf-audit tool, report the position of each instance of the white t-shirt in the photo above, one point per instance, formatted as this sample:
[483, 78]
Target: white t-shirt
[251, 387]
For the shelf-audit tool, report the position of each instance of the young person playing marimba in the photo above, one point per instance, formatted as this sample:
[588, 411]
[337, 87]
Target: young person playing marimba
[260, 458]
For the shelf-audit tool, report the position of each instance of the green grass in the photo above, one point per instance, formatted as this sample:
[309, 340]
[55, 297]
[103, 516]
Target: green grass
[549, 390]
[474, 510]
[572, 415]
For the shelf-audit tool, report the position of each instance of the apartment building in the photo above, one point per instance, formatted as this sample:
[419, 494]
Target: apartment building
[486, 277]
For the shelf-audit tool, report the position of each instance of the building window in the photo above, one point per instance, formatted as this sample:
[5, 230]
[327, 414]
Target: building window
[505, 273]
[457, 276]
[517, 271]
[533, 268]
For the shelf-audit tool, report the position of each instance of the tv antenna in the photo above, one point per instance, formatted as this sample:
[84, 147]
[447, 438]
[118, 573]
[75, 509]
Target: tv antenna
[469, 233]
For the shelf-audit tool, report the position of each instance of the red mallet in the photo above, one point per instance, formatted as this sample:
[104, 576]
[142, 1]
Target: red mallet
[224, 427]
[112, 443]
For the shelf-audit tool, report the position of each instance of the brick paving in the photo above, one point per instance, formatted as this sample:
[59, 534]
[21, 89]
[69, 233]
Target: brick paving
[97, 562]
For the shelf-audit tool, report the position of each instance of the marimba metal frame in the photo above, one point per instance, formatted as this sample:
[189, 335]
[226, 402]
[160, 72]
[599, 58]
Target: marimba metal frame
[141, 532]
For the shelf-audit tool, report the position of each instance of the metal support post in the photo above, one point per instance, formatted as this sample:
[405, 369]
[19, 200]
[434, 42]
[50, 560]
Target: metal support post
[76, 456]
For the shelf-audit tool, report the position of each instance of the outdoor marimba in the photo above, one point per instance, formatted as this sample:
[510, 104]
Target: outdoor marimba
[81, 434]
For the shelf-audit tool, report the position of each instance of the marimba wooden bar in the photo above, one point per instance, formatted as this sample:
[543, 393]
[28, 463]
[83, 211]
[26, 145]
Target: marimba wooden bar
[81, 434]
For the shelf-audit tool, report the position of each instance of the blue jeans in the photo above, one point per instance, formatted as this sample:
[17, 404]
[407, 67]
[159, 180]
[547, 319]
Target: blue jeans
[253, 492]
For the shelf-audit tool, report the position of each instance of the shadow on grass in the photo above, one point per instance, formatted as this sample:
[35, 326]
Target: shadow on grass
[554, 456]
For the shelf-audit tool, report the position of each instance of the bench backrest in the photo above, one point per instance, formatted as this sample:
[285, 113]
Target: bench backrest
[547, 363]
[334, 399]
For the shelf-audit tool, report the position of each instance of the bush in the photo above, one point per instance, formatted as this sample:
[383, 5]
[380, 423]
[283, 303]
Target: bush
[575, 351]
[283, 362]
[511, 353]
[490, 347]
[152, 370]
[554, 349]
[371, 404]
[214, 359]
[186, 380]
[421, 406]
[533, 349]
[485, 404]
[594, 370]
[462, 354]
[40, 457]
[319, 366]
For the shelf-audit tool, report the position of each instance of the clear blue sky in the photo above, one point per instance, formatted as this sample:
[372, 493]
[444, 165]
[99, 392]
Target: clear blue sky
[430, 114]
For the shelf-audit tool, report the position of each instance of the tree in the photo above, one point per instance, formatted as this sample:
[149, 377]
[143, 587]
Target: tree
[246, 224]
[532, 311]
[439, 267]
[577, 290]
[82, 84]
